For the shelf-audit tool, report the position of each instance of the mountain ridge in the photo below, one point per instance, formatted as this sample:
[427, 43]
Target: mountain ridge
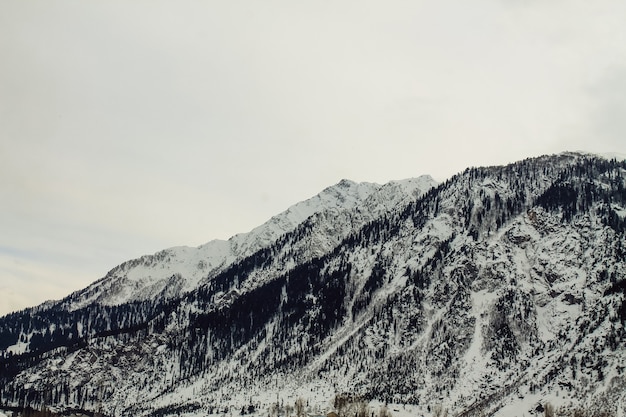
[129, 281]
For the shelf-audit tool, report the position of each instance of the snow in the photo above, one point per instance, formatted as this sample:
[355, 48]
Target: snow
[527, 406]
[474, 358]
[19, 347]
[620, 211]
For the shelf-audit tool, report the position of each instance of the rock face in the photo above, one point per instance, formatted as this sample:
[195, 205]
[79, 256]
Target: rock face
[500, 289]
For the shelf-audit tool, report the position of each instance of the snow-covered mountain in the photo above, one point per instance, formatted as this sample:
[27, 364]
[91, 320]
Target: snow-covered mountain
[174, 271]
[497, 292]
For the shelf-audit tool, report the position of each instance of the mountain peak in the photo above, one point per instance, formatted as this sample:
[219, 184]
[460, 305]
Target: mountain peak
[176, 270]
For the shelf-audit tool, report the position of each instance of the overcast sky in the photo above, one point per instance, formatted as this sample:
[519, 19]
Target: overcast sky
[127, 127]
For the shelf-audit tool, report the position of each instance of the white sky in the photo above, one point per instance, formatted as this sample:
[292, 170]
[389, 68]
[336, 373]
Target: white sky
[130, 126]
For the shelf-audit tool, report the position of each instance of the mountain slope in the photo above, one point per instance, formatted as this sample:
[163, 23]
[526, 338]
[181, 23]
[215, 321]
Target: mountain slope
[501, 289]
